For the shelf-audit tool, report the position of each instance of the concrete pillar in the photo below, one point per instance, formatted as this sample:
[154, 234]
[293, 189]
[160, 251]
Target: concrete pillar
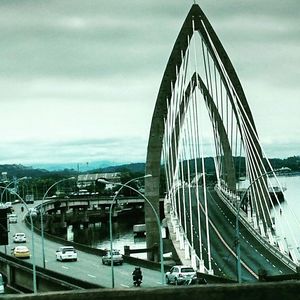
[262, 228]
[270, 236]
[177, 231]
[249, 213]
[211, 272]
[255, 221]
[181, 240]
[174, 222]
[280, 245]
[186, 250]
[193, 259]
[201, 266]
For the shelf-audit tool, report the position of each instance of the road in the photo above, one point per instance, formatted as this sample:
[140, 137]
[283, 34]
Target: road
[88, 267]
[222, 242]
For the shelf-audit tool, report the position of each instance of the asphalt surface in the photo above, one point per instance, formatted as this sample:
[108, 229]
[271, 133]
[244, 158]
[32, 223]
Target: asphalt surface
[88, 267]
[223, 241]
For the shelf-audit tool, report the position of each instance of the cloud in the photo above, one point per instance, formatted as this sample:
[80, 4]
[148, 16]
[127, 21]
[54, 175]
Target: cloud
[71, 71]
[77, 151]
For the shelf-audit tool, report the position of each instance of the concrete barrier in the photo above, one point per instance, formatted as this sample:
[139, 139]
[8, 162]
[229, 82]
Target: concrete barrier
[288, 290]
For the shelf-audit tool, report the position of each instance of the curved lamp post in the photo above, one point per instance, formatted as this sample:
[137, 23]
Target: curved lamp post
[10, 183]
[32, 239]
[42, 213]
[110, 224]
[237, 230]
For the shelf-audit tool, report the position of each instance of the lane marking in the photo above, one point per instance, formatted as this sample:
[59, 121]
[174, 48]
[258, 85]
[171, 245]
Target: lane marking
[90, 275]
[64, 267]
[124, 285]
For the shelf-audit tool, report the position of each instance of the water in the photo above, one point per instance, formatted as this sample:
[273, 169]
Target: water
[287, 215]
[98, 235]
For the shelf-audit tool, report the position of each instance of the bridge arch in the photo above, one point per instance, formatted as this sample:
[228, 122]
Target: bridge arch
[197, 23]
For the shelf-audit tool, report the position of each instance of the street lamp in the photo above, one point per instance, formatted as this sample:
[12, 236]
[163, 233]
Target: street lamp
[237, 230]
[32, 239]
[10, 183]
[42, 221]
[110, 224]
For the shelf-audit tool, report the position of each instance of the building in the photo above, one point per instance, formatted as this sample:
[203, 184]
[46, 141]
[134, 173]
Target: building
[87, 180]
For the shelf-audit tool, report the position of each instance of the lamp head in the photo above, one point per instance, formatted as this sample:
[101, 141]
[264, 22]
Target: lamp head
[102, 180]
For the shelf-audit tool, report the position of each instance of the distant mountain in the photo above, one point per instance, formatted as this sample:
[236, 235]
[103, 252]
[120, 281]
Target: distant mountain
[42, 170]
[79, 167]
[19, 171]
[71, 169]
[132, 167]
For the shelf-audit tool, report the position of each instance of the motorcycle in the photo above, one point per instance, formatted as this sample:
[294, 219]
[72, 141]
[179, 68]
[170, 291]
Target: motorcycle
[137, 281]
[137, 276]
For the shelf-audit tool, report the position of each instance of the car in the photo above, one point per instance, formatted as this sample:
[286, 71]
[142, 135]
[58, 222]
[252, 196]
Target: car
[8, 204]
[2, 284]
[117, 258]
[21, 252]
[33, 211]
[181, 275]
[12, 218]
[66, 253]
[19, 237]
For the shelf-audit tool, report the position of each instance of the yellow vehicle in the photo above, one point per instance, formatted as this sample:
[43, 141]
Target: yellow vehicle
[21, 252]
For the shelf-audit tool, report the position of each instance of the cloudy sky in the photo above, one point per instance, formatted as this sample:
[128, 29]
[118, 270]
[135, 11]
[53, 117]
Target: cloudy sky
[79, 79]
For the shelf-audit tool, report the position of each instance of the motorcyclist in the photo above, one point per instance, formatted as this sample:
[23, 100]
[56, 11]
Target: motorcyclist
[137, 274]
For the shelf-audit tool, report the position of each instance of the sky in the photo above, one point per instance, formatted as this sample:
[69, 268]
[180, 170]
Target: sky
[79, 79]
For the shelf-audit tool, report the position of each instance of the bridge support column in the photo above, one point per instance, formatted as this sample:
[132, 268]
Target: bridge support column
[174, 222]
[270, 236]
[249, 214]
[261, 228]
[181, 240]
[193, 259]
[177, 231]
[255, 221]
[186, 250]
[201, 266]
[280, 245]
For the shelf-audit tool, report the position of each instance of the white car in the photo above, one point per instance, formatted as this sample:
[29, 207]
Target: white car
[2, 284]
[33, 212]
[66, 253]
[181, 275]
[19, 237]
[13, 218]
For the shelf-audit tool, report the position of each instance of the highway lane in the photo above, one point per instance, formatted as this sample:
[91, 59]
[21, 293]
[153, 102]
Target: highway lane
[223, 248]
[252, 252]
[88, 267]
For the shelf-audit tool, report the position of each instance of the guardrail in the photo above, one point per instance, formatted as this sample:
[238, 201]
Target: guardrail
[19, 275]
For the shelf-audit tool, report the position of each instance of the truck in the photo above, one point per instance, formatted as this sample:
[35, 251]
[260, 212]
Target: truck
[29, 199]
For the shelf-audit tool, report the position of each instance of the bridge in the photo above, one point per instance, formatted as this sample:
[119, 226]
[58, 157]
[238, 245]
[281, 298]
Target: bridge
[202, 111]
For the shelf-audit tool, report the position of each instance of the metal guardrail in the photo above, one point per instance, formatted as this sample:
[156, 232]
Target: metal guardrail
[276, 252]
[43, 275]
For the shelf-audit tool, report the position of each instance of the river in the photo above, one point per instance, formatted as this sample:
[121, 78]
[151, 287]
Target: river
[287, 224]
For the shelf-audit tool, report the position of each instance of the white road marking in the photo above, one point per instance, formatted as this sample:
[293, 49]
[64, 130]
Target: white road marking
[64, 267]
[124, 285]
[90, 275]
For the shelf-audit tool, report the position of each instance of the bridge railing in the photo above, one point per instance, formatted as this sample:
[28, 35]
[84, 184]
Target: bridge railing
[272, 249]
